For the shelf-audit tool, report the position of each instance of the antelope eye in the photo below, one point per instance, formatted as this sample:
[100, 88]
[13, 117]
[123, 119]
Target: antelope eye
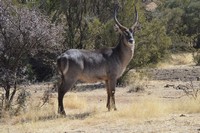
[126, 33]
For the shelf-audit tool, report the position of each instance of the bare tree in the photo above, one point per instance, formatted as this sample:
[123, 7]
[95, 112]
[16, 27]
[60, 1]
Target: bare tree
[100, 65]
[23, 32]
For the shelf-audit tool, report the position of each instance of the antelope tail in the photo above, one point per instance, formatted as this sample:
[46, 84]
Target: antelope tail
[63, 65]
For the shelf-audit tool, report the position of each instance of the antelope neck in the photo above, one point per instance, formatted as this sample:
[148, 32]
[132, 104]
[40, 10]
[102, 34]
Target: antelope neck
[124, 52]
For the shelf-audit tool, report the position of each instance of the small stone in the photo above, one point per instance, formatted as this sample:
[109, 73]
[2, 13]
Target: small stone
[182, 115]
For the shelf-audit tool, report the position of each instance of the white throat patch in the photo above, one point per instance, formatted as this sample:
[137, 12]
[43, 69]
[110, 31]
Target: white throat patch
[131, 45]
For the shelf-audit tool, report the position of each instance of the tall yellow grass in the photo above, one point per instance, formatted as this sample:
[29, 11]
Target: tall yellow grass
[34, 113]
[155, 107]
[177, 59]
[72, 101]
[185, 106]
[144, 108]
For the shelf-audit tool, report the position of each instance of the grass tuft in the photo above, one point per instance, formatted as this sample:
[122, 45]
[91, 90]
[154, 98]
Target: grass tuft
[186, 106]
[146, 108]
[177, 59]
[151, 107]
[73, 101]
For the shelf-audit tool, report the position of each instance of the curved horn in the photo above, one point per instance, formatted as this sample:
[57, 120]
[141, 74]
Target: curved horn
[117, 22]
[136, 19]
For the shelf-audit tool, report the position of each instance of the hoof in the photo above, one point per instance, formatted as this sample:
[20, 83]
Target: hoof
[107, 106]
[62, 113]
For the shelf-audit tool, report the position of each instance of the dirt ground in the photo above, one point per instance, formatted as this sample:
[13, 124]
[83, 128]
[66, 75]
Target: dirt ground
[167, 111]
[169, 123]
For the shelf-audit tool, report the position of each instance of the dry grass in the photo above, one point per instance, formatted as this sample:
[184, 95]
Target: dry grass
[34, 113]
[82, 112]
[146, 109]
[155, 107]
[185, 106]
[137, 81]
[177, 59]
[72, 101]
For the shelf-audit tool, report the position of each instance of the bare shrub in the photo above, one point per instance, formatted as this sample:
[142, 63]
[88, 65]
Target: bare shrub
[21, 101]
[18, 105]
[1, 104]
[46, 98]
[138, 81]
[24, 33]
[190, 90]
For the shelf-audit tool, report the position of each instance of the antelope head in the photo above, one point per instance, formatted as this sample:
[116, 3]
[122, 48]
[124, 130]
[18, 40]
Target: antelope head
[127, 33]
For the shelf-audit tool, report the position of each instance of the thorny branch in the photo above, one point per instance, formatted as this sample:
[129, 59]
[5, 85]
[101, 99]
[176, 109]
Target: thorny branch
[190, 90]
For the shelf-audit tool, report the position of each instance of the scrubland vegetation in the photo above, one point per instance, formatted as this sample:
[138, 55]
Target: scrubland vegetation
[33, 33]
[87, 109]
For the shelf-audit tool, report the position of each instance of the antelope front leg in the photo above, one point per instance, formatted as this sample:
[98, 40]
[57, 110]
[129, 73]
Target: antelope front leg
[113, 100]
[112, 92]
[110, 87]
[108, 96]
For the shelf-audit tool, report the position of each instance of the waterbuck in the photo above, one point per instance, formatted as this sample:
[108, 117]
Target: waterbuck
[106, 64]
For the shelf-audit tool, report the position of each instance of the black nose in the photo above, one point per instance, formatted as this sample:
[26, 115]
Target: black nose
[131, 40]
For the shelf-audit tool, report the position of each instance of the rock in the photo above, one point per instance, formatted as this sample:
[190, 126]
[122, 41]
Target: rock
[182, 115]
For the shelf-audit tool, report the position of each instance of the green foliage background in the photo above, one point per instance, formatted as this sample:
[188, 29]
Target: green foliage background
[173, 26]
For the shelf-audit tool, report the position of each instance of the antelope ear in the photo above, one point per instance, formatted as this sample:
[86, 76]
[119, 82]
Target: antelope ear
[117, 29]
[137, 28]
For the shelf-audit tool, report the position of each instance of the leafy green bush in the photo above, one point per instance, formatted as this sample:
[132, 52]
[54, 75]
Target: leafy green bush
[152, 44]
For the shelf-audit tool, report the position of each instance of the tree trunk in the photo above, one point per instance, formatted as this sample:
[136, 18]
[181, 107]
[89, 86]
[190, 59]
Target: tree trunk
[13, 93]
[7, 89]
[7, 96]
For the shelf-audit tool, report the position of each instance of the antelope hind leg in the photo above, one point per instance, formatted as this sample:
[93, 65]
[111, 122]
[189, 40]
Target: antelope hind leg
[64, 87]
